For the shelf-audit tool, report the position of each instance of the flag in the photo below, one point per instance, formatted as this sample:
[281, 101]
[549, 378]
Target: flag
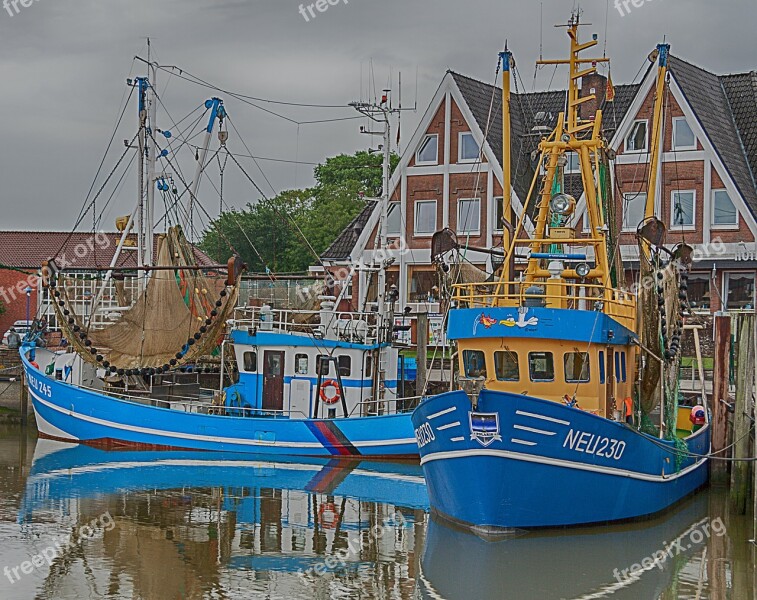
[610, 92]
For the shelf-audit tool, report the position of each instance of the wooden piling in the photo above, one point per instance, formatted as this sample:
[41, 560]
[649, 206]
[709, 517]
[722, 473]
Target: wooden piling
[740, 472]
[24, 402]
[720, 398]
[422, 355]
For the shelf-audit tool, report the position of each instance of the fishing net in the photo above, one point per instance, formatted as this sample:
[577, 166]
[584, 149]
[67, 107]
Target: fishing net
[179, 316]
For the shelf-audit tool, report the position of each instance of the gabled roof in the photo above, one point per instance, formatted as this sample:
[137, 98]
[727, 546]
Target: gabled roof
[344, 244]
[78, 250]
[524, 109]
[741, 91]
[706, 94]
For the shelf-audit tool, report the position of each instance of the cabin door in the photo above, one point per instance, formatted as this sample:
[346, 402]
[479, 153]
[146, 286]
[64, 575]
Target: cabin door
[273, 380]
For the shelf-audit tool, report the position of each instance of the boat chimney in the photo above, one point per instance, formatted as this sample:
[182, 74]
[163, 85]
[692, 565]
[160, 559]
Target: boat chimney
[266, 318]
[327, 315]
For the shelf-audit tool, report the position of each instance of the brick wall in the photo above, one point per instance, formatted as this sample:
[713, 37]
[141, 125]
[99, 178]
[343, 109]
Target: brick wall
[12, 285]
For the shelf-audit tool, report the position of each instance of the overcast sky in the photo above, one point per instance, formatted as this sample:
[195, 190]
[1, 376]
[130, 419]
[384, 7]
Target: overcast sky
[64, 64]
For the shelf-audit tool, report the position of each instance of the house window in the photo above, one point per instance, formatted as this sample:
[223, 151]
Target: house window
[322, 365]
[301, 364]
[739, 291]
[576, 367]
[428, 152]
[469, 215]
[683, 136]
[506, 366]
[474, 362]
[683, 209]
[251, 362]
[634, 207]
[699, 291]
[574, 164]
[468, 150]
[423, 286]
[499, 214]
[394, 219]
[541, 366]
[425, 217]
[723, 210]
[345, 366]
[637, 140]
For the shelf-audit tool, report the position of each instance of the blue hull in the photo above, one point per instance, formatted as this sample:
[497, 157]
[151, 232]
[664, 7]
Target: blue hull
[522, 462]
[68, 413]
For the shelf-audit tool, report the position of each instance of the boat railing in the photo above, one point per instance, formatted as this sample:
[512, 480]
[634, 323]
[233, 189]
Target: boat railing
[350, 326]
[618, 304]
[382, 407]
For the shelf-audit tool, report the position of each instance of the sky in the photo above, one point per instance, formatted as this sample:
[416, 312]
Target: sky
[64, 66]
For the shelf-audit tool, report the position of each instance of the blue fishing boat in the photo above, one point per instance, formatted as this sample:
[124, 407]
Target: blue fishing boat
[568, 411]
[160, 355]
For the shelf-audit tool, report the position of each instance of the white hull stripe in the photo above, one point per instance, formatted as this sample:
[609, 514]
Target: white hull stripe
[457, 439]
[441, 413]
[523, 442]
[523, 413]
[209, 438]
[448, 426]
[532, 430]
[559, 463]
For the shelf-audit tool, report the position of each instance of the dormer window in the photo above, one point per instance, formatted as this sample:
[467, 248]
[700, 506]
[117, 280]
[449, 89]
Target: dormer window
[428, 152]
[468, 150]
[638, 139]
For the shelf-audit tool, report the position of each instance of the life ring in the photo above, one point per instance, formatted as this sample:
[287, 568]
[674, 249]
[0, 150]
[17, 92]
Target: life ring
[330, 399]
[328, 517]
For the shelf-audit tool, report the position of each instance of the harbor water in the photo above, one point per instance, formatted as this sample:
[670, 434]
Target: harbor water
[76, 522]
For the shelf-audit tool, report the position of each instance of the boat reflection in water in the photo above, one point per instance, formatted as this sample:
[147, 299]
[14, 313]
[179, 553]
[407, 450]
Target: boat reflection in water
[586, 563]
[194, 525]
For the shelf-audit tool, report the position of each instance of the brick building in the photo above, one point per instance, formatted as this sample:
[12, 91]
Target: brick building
[707, 196]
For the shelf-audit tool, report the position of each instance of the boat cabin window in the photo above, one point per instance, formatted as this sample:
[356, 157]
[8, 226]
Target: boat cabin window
[322, 365]
[301, 364]
[577, 367]
[475, 363]
[345, 366]
[368, 365]
[506, 366]
[541, 366]
[251, 361]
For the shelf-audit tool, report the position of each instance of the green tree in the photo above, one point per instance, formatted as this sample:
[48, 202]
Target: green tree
[290, 230]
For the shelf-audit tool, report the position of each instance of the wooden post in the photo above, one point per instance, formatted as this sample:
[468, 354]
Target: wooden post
[24, 401]
[741, 421]
[720, 397]
[422, 355]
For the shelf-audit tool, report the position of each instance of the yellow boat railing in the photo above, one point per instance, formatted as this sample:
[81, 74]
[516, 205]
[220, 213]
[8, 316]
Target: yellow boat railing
[618, 304]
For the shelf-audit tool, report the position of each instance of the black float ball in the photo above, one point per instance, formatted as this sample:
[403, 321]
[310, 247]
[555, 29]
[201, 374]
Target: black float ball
[128, 372]
[106, 364]
[71, 321]
[76, 328]
[173, 362]
[219, 304]
[178, 355]
[208, 321]
[197, 336]
[120, 371]
[56, 293]
[99, 358]
[93, 350]
[61, 303]
[66, 312]
[88, 343]
[203, 329]
[82, 335]
[113, 369]
[213, 313]
[166, 368]
[223, 293]
[191, 342]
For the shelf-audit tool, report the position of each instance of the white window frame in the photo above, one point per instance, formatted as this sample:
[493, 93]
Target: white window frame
[496, 228]
[693, 226]
[416, 233]
[726, 285]
[568, 170]
[472, 232]
[646, 141]
[676, 147]
[460, 158]
[636, 196]
[394, 207]
[721, 226]
[426, 137]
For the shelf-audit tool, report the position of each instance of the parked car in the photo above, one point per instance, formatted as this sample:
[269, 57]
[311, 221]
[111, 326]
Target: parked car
[22, 328]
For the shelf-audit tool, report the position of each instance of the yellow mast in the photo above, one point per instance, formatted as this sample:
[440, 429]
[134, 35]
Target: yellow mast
[507, 209]
[663, 51]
